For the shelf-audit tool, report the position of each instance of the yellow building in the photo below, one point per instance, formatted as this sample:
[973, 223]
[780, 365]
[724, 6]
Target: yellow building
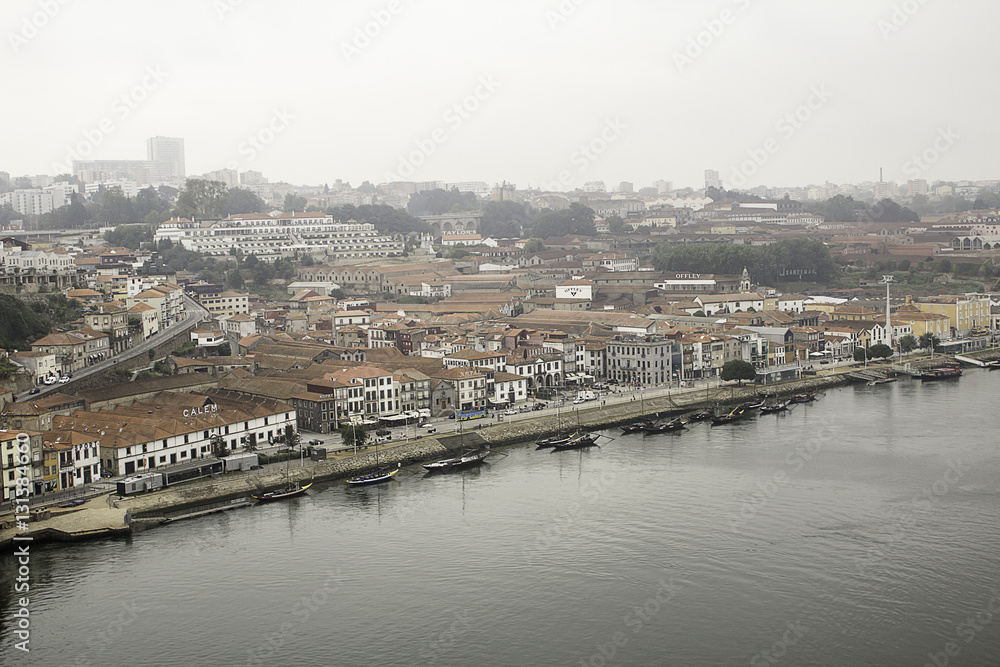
[50, 467]
[936, 324]
[964, 311]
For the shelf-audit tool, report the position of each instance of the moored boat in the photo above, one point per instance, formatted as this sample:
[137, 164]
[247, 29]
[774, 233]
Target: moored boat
[944, 373]
[737, 413]
[289, 491]
[803, 398]
[578, 441]
[553, 441]
[463, 460]
[774, 407]
[636, 426]
[675, 424]
[380, 475]
[700, 416]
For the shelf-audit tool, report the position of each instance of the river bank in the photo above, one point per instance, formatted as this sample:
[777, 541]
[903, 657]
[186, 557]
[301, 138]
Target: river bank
[230, 492]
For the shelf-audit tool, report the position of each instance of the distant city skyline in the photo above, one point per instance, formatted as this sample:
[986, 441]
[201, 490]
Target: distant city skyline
[435, 91]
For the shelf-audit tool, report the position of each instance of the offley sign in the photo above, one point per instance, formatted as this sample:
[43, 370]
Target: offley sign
[203, 410]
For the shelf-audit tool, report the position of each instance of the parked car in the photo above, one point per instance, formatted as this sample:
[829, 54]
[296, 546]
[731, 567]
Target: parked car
[510, 411]
[63, 380]
[426, 425]
[34, 390]
[50, 380]
[383, 431]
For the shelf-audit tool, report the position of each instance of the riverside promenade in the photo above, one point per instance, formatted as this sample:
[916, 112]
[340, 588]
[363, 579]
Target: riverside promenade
[108, 515]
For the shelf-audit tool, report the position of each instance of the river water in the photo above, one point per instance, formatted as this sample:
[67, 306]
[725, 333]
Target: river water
[858, 530]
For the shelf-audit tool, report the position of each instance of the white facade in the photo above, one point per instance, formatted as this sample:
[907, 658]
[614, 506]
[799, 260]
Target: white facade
[280, 234]
[28, 202]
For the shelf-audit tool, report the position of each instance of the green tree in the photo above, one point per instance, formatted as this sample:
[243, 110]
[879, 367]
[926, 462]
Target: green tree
[615, 224]
[577, 219]
[457, 252]
[250, 443]
[737, 369]
[202, 199]
[928, 340]
[945, 266]
[439, 202]
[908, 344]
[241, 200]
[294, 203]
[505, 219]
[292, 437]
[534, 245]
[860, 354]
[7, 369]
[219, 448]
[880, 351]
[353, 434]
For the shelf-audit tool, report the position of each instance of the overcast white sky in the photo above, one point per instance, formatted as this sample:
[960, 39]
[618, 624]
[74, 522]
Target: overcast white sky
[563, 73]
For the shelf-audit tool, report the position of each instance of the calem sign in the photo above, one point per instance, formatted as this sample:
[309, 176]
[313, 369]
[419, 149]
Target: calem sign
[203, 410]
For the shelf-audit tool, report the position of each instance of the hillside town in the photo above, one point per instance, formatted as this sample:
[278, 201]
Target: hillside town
[301, 318]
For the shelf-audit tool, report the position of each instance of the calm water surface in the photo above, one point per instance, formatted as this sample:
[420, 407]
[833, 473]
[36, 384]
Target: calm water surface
[859, 530]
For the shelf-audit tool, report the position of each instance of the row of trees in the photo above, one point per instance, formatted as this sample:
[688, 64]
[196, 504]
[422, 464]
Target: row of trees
[846, 209]
[777, 262]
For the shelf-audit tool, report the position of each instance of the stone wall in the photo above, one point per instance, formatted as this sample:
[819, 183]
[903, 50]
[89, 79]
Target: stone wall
[202, 493]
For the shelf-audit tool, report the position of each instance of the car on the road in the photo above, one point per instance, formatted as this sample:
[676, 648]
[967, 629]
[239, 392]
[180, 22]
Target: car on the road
[578, 401]
[34, 390]
[63, 380]
[50, 380]
[383, 431]
[426, 425]
[315, 443]
[510, 411]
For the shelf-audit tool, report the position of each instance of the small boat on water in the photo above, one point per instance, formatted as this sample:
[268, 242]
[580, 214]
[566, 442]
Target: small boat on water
[755, 406]
[781, 406]
[578, 441]
[636, 426]
[701, 416]
[992, 365]
[464, 460]
[803, 398]
[289, 491]
[737, 413]
[377, 477]
[675, 424]
[553, 441]
[943, 373]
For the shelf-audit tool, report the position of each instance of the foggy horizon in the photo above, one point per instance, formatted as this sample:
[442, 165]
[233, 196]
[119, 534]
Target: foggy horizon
[549, 94]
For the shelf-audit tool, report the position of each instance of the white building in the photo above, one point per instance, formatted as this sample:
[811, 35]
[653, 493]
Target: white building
[274, 235]
[28, 202]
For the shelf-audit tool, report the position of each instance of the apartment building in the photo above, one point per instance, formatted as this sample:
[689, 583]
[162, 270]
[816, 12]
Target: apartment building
[270, 236]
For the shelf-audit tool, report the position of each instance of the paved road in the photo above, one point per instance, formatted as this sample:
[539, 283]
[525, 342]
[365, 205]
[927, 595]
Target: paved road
[194, 314]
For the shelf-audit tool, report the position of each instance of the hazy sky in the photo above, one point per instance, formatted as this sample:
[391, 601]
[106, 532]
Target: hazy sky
[529, 91]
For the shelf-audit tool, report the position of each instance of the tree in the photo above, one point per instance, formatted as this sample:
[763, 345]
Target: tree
[880, 351]
[929, 340]
[218, 444]
[577, 219]
[354, 434]
[908, 344]
[615, 224]
[224, 350]
[860, 354]
[534, 245]
[250, 443]
[457, 252]
[737, 369]
[294, 203]
[292, 437]
[203, 199]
